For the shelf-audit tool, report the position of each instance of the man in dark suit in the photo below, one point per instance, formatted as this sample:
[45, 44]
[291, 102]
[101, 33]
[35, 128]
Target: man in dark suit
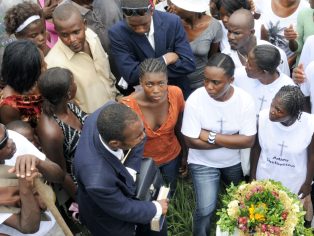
[106, 185]
[145, 33]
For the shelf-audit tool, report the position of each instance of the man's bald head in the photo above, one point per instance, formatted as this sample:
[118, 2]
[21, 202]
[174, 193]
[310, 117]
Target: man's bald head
[65, 11]
[242, 18]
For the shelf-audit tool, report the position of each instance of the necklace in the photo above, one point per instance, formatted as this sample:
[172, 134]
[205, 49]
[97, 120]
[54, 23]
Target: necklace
[242, 57]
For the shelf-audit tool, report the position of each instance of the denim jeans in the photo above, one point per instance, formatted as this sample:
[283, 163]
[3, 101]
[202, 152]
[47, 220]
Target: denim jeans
[206, 181]
[169, 172]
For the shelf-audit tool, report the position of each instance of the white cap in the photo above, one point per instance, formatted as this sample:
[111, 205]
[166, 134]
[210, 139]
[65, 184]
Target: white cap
[192, 5]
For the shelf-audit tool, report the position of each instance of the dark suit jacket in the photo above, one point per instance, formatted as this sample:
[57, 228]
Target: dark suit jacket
[105, 187]
[129, 49]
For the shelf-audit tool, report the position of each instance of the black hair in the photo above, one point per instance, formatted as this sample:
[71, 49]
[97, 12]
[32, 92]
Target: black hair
[54, 85]
[65, 11]
[21, 65]
[222, 61]
[135, 3]
[292, 99]
[113, 120]
[152, 65]
[18, 125]
[232, 5]
[267, 57]
[16, 15]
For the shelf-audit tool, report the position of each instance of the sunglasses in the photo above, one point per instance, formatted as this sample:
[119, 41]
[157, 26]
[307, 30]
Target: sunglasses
[141, 11]
[4, 141]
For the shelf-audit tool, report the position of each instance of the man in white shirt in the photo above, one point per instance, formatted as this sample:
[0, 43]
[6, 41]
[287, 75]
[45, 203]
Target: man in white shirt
[242, 39]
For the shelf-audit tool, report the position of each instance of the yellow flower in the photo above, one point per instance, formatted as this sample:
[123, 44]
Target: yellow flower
[251, 211]
[259, 217]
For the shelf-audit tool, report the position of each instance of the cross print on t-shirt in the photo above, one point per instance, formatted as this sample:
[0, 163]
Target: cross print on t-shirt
[221, 121]
[282, 147]
[262, 99]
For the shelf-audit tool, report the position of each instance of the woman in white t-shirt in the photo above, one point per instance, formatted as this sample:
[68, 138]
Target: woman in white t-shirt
[263, 78]
[284, 150]
[219, 119]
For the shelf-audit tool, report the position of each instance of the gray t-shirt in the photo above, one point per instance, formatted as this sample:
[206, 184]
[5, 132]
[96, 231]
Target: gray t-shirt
[200, 48]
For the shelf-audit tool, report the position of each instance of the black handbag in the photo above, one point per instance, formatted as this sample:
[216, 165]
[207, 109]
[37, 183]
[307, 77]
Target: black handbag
[148, 181]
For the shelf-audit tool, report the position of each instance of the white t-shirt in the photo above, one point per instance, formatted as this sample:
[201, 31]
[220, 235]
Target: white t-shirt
[283, 66]
[307, 54]
[276, 25]
[307, 87]
[262, 94]
[236, 115]
[284, 150]
[23, 146]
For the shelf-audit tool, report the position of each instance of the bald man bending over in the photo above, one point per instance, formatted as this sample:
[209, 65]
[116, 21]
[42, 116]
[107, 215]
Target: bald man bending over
[80, 51]
[241, 37]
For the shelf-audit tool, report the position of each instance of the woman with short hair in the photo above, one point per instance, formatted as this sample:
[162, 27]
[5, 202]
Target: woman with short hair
[219, 120]
[21, 67]
[26, 21]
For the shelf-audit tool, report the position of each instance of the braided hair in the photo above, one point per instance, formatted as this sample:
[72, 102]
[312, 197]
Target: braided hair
[267, 57]
[152, 65]
[292, 100]
[222, 61]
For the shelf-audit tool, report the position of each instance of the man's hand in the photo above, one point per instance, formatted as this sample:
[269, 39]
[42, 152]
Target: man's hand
[28, 181]
[298, 74]
[290, 33]
[171, 58]
[164, 205]
[305, 190]
[25, 165]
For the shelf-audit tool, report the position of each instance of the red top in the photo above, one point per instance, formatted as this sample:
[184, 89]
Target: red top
[29, 106]
[162, 145]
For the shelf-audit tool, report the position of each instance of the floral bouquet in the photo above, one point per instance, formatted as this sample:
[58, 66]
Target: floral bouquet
[261, 208]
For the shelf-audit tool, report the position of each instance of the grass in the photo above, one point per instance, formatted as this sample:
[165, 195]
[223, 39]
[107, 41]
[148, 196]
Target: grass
[181, 209]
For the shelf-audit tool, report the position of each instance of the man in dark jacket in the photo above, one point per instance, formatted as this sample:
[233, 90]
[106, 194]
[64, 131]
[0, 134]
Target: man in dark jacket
[106, 183]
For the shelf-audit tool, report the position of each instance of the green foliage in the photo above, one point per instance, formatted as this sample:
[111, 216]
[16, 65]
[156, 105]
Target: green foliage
[181, 207]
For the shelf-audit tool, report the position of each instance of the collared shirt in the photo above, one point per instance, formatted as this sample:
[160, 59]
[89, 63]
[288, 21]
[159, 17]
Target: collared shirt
[95, 82]
[151, 40]
[119, 154]
[150, 34]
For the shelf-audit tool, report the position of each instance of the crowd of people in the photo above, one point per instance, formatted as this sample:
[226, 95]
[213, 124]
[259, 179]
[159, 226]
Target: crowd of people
[217, 90]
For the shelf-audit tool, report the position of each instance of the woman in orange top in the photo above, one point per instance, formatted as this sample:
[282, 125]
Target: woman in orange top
[160, 107]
